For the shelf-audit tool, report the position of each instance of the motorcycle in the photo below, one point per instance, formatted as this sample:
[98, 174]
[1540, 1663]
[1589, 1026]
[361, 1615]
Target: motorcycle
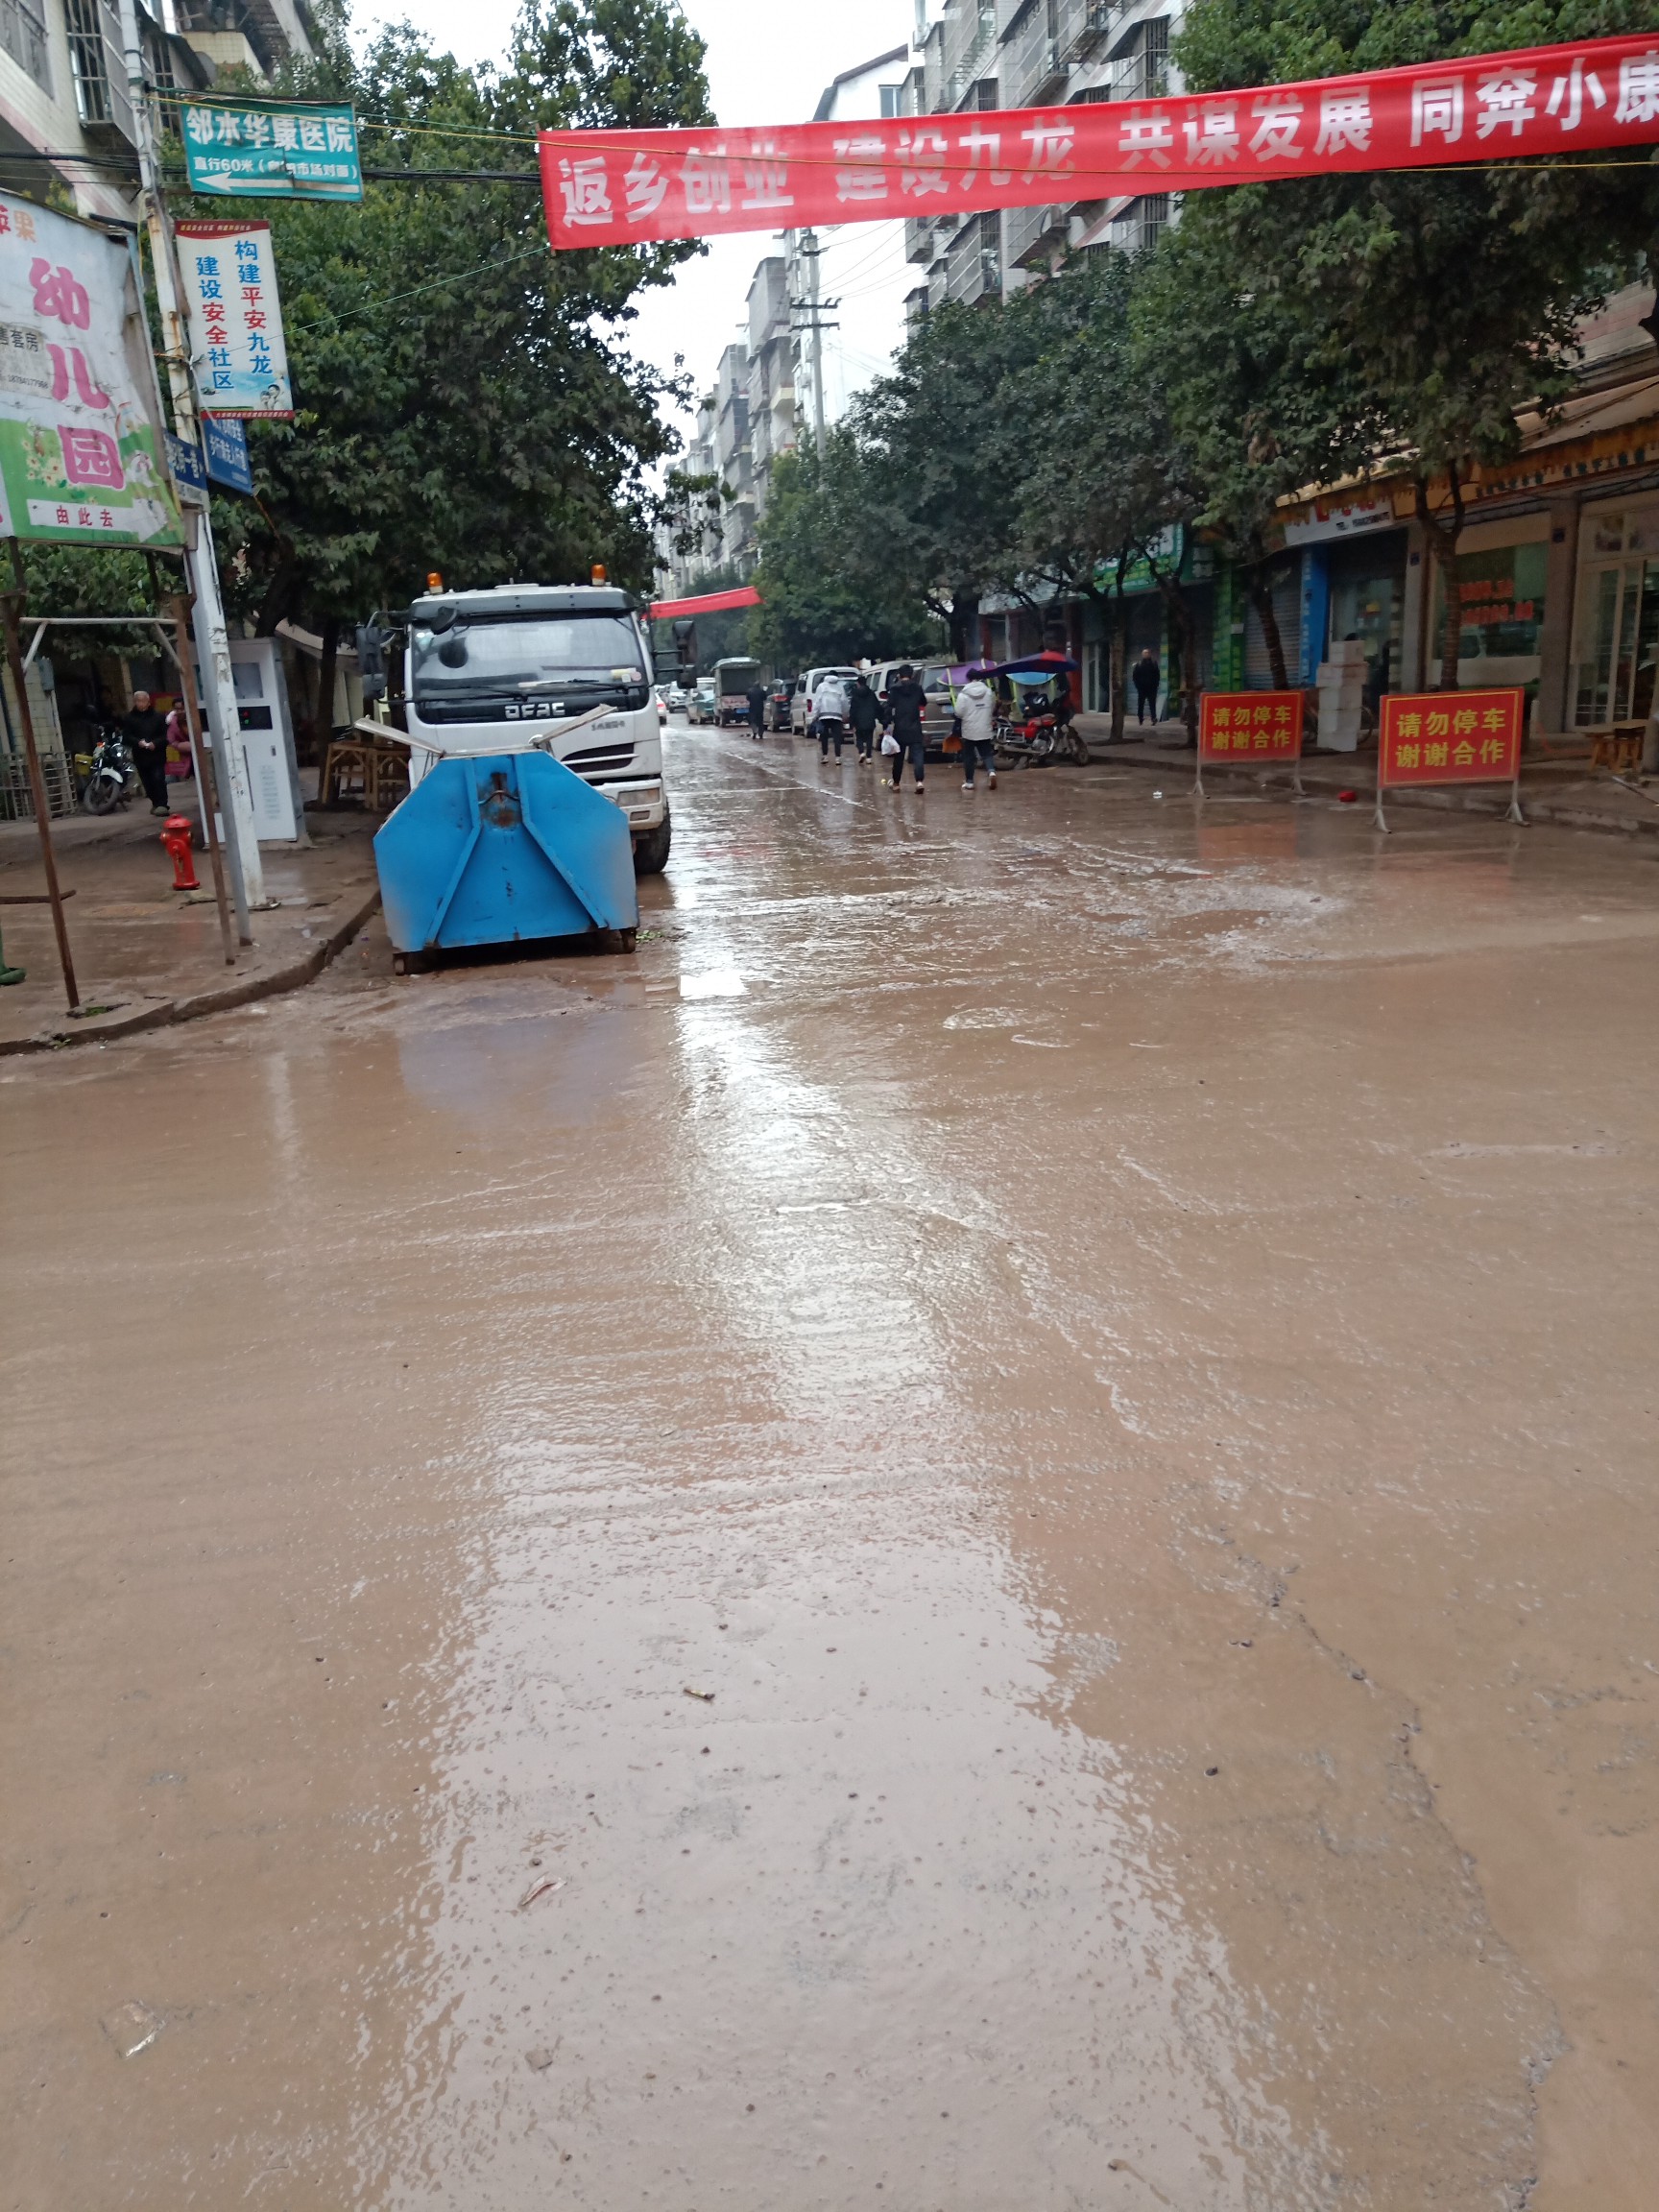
[1036, 729]
[112, 778]
[1043, 735]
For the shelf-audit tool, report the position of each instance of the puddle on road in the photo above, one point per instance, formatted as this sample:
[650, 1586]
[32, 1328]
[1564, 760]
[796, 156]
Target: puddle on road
[1110, 1508]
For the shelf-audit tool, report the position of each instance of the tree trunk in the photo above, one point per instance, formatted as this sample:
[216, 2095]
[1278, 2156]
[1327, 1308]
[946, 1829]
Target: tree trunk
[1118, 664]
[1183, 652]
[964, 625]
[276, 605]
[1260, 589]
[326, 683]
[1443, 537]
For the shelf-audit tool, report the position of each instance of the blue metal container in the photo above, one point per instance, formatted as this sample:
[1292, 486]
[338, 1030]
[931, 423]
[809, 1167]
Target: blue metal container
[494, 848]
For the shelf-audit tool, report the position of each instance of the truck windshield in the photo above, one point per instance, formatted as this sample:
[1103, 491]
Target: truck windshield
[545, 653]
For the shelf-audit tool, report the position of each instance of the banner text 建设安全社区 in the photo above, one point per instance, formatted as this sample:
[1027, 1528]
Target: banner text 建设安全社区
[624, 187]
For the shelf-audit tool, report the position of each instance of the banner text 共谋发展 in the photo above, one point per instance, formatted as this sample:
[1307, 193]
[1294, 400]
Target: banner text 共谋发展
[621, 187]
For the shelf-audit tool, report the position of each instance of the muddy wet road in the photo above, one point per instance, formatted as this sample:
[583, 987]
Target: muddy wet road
[978, 1536]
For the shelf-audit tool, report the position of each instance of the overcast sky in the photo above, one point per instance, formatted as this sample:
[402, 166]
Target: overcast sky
[768, 61]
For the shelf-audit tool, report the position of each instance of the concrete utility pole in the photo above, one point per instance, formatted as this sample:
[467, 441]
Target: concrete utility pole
[212, 642]
[815, 328]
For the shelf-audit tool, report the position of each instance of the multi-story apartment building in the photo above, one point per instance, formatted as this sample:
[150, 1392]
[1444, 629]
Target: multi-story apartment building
[64, 112]
[979, 53]
[772, 375]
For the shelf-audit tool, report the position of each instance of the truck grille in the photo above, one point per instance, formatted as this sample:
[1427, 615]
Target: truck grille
[586, 759]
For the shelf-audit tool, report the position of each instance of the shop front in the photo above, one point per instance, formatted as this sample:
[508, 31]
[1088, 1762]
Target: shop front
[1499, 580]
[1616, 634]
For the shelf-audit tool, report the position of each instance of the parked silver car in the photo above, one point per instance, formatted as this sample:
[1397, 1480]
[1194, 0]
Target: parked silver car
[801, 704]
[703, 704]
[934, 678]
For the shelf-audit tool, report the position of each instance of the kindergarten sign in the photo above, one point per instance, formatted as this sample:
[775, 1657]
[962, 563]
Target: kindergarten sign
[81, 459]
[619, 188]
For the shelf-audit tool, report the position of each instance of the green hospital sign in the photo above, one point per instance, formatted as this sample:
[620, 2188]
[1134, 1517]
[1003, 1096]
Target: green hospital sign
[271, 150]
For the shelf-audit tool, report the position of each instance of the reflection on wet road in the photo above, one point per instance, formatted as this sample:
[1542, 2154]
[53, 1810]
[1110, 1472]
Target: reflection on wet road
[977, 1535]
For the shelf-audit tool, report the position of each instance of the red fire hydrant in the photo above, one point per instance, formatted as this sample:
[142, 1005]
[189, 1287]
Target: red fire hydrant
[176, 842]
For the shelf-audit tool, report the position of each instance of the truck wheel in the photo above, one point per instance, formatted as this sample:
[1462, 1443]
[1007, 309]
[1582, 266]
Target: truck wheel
[651, 848]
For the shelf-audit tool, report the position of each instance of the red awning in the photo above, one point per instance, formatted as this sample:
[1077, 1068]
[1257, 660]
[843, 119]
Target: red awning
[711, 602]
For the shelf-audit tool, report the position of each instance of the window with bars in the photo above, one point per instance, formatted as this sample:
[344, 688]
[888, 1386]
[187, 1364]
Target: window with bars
[23, 36]
[1155, 57]
[1154, 214]
[89, 61]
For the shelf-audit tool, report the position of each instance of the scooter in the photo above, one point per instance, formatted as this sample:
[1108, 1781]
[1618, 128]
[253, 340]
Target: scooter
[113, 777]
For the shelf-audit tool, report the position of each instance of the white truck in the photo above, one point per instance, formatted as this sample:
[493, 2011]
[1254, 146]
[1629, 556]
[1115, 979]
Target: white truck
[559, 668]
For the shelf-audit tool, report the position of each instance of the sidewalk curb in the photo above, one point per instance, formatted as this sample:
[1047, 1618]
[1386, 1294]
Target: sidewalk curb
[162, 1013]
[1536, 809]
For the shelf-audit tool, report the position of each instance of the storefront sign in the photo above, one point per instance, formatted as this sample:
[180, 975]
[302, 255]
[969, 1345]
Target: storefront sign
[188, 475]
[1254, 726]
[1328, 518]
[228, 461]
[618, 188]
[237, 346]
[81, 450]
[271, 150]
[1450, 738]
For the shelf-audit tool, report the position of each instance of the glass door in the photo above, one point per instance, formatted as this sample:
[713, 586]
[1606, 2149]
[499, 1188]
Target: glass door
[1618, 645]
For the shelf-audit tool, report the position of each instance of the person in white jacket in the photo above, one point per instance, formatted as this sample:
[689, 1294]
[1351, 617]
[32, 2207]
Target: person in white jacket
[976, 711]
[828, 716]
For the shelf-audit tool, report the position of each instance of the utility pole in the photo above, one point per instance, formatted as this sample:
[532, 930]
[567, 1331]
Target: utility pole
[812, 307]
[213, 644]
[810, 249]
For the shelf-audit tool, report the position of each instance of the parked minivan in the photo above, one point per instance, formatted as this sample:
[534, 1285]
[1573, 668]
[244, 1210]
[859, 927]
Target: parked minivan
[934, 678]
[801, 705]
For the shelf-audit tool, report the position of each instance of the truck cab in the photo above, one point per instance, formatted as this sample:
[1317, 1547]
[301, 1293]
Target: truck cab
[506, 670]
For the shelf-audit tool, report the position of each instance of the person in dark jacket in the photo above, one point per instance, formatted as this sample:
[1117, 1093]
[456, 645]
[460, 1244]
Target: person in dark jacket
[756, 698]
[906, 703]
[145, 730]
[1145, 674]
[864, 710]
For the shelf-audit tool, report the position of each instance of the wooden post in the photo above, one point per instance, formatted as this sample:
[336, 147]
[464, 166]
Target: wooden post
[13, 601]
[206, 785]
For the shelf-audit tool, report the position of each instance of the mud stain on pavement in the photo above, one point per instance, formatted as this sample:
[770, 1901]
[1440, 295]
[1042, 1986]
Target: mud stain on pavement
[1157, 1535]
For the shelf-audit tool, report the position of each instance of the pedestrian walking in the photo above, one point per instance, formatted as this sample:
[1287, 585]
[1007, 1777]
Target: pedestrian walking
[907, 703]
[756, 698]
[1145, 674]
[145, 730]
[829, 713]
[864, 710]
[977, 712]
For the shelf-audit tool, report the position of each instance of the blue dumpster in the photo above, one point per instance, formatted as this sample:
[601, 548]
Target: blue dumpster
[498, 847]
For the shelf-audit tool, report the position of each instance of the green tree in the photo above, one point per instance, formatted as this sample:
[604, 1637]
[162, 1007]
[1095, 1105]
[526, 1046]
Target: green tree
[943, 492]
[828, 589]
[1090, 448]
[1258, 406]
[1443, 303]
[465, 402]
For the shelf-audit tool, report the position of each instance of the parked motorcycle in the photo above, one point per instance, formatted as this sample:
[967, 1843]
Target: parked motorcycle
[113, 778]
[1041, 736]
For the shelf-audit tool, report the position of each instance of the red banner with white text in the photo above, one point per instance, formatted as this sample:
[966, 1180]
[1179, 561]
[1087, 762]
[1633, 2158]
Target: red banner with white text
[619, 188]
